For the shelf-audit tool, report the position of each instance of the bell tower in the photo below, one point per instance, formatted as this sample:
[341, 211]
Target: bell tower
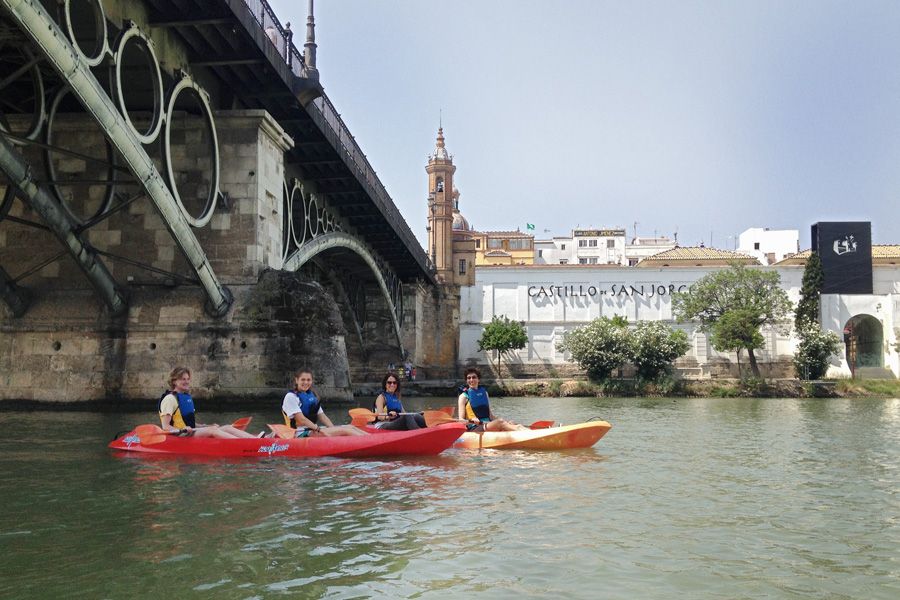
[440, 171]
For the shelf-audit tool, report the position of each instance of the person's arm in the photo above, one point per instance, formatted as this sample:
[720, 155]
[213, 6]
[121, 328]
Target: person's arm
[462, 406]
[324, 419]
[380, 403]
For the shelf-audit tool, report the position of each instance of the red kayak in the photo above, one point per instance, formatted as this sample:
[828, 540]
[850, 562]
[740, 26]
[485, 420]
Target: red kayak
[428, 441]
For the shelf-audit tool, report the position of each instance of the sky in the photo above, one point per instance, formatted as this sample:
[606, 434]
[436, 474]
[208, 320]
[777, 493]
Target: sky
[701, 118]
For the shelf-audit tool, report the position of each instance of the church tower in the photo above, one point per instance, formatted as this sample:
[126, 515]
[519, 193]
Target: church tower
[441, 206]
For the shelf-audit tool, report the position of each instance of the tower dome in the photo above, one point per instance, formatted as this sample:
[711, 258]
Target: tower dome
[459, 222]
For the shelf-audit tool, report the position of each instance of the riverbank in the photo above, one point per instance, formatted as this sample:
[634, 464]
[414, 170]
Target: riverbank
[697, 388]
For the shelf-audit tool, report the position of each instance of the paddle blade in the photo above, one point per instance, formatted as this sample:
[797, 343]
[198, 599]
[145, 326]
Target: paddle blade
[153, 439]
[359, 420]
[147, 430]
[242, 423]
[541, 425]
[283, 431]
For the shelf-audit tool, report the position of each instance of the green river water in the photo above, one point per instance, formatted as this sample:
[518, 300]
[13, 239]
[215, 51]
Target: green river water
[689, 498]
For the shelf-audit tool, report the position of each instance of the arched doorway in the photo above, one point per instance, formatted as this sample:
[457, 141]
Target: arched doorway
[864, 340]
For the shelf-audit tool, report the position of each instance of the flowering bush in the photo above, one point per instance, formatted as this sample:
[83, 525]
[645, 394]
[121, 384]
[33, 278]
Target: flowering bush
[815, 349]
[599, 347]
[654, 346]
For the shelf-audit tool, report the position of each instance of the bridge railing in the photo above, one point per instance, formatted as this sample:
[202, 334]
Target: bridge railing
[280, 36]
[327, 117]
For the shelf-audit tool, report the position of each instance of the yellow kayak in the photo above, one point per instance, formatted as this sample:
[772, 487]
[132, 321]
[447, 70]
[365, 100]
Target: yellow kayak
[580, 435]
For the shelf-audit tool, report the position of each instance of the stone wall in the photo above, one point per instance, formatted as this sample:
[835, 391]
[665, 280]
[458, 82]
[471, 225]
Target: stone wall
[68, 349]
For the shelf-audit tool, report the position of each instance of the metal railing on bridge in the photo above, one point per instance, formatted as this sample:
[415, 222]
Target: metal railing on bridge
[327, 117]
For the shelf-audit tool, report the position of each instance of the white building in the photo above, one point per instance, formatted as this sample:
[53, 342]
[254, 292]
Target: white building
[597, 247]
[553, 299]
[769, 245]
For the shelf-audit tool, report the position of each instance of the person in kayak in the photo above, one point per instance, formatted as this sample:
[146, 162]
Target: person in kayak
[302, 410]
[177, 415]
[475, 407]
[389, 409]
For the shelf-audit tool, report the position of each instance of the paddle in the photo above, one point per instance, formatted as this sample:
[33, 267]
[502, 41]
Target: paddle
[285, 432]
[362, 416]
[541, 425]
[242, 423]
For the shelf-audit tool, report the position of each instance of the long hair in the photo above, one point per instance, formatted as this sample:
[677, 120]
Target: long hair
[384, 383]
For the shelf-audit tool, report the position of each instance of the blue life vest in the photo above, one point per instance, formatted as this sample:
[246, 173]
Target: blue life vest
[479, 403]
[309, 406]
[184, 414]
[391, 403]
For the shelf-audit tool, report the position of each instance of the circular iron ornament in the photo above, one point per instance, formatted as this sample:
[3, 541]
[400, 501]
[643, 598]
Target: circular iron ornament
[312, 216]
[298, 215]
[7, 201]
[286, 219]
[136, 36]
[101, 45]
[188, 84]
[111, 173]
[40, 108]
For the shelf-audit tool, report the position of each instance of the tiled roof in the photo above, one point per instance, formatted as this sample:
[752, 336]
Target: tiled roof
[683, 254]
[506, 234]
[881, 253]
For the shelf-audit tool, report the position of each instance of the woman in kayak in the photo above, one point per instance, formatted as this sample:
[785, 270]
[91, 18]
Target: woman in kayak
[302, 410]
[475, 407]
[389, 410]
[176, 411]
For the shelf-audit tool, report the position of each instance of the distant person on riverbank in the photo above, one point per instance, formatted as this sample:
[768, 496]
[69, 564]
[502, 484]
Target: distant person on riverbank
[475, 407]
[302, 410]
[177, 415]
[389, 410]
[407, 370]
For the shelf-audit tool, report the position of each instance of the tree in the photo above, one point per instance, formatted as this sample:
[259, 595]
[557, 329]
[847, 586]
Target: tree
[736, 331]
[815, 349]
[502, 335]
[757, 295]
[654, 346]
[599, 347]
[810, 292]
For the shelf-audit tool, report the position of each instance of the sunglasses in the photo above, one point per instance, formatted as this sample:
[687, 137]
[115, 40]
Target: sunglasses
[391, 381]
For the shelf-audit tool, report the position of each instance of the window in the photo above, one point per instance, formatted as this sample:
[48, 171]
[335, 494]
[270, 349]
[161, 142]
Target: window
[519, 244]
[582, 243]
[440, 184]
[478, 243]
[562, 246]
[610, 243]
[588, 261]
[582, 261]
[540, 254]
[592, 243]
[462, 266]
[756, 245]
[495, 243]
[563, 261]
[632, 262]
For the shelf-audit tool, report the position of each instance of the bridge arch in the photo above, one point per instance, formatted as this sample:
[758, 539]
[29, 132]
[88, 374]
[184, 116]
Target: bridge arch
[391, 291]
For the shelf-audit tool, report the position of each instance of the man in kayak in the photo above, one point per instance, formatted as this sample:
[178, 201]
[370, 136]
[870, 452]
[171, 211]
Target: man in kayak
[302, 410]
[475, 407]
[176, 411]
[389, 410]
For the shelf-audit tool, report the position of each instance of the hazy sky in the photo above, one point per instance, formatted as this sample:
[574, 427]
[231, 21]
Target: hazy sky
[704, 118]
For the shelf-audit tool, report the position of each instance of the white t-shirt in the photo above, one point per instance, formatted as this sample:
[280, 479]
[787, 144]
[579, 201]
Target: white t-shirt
[169, 405]
[291, 405]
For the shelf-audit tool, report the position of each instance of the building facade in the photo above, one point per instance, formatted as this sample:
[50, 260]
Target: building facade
[598, 247]
[769, 245]
[551, 300]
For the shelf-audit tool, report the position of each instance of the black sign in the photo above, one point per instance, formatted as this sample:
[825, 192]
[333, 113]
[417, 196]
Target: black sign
[846, 253]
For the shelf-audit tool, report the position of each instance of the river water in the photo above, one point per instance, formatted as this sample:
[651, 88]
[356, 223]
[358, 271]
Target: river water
[692, 498]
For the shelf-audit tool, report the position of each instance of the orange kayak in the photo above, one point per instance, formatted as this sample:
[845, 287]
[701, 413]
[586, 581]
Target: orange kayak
[580, 435]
